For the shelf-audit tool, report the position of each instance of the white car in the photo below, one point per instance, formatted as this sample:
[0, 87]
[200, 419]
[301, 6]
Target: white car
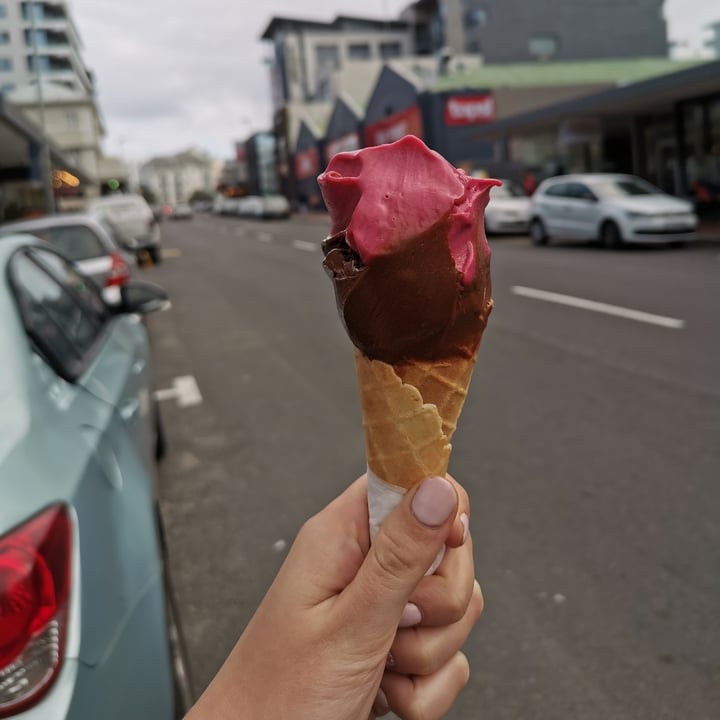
[251, 207]
[133, 219]
[276, 206]
[614, 209]
[508, 210]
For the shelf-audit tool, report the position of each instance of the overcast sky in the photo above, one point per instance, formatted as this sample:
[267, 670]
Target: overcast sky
[174, 74]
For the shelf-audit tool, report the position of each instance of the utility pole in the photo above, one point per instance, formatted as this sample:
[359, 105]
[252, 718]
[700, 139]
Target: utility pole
[45, 160]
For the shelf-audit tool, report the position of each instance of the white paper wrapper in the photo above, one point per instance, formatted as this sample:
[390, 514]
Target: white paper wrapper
[383, 498]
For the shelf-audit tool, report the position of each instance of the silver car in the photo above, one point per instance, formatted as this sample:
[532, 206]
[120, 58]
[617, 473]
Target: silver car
[613, 209]
[89, 242]
[83, 607]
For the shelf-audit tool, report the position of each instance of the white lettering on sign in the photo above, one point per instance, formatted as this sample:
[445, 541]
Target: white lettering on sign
[391, 133]
[470, 110]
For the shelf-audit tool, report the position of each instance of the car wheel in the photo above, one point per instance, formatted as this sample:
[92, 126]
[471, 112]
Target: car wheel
[155, 254]
[538, 235]
[160, 440]
[610, 235]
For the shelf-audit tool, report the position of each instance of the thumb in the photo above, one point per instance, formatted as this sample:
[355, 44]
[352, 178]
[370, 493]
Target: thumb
[405, 547]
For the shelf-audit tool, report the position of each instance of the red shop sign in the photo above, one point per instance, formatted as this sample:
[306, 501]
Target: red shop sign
[346, 143]
[469, 109]
[307, 164]
[390, 129]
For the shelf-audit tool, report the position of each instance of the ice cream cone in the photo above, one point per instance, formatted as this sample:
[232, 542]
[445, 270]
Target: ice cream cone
[410, 412]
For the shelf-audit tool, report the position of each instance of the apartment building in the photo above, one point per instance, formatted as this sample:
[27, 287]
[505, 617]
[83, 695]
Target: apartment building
[40, 36]
[175, 178]
[521, 31]
[306, 53]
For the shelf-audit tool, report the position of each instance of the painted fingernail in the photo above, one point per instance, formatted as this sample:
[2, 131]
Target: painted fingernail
[390, 661]
[434, 501]
[411, 616]
[380, 706]
[466, 525]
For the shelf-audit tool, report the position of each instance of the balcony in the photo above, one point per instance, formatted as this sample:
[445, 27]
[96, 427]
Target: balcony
[44, 14]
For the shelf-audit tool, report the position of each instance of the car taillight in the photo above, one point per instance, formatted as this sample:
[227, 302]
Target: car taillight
[35, 568]
[119, 271]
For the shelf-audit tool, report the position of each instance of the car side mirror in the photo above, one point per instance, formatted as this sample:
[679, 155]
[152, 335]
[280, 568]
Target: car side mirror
[142, 298]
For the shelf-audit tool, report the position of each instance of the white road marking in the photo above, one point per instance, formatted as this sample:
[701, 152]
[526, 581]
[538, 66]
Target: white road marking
[171, 253]
[593, 306]
[305, 246]
[185, 392]
[265, 237]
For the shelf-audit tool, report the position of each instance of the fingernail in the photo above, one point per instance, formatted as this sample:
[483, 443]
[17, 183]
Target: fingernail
[434, 501]
[390, 661]
[411, 616]
[380, 706]
[466, 525]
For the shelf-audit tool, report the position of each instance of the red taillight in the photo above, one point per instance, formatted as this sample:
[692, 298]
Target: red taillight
[119, 271]
[35, 561]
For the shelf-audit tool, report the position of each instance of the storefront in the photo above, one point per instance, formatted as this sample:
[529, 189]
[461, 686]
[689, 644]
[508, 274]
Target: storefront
[306, 166]
[452, 118]
[666, 129]
[21, 188]
[393, 109]
[344, 131]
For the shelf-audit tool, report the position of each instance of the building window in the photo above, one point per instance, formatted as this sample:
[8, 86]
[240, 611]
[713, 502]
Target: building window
[359, 51]
[476, 17]
[4, 37]
[71, 118]
[6, 88]
[390, 50]
[6, 64]
[543, 47]
[3, 10]
[328, 57]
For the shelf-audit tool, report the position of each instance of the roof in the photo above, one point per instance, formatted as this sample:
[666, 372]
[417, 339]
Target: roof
[279, 22]
[585, 72]
[47, 221]
[648, 95]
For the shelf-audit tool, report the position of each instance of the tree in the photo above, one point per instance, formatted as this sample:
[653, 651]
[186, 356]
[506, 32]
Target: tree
[201, 196]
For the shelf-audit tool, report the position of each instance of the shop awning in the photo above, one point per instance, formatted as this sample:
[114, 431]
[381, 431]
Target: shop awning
[17, 134]
[658, 94]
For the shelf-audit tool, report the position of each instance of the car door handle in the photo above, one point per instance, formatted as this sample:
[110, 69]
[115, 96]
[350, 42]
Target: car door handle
[129, 410]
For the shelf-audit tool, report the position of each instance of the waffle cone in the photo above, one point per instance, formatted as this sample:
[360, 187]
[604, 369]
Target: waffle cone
[410, 412]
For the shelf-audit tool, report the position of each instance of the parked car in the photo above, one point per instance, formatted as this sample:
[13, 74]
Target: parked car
[84, 624]
[275, 206]
[614, 209]
[133, 219]
[181, 211]
[251, 206]
[508, 210]
[88, 242]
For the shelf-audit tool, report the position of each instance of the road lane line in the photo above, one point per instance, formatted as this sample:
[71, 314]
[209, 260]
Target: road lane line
[265, 237]
[593, 306]
[171, 253]
[305, 246]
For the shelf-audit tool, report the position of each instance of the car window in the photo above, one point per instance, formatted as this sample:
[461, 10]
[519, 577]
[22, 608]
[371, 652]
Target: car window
[559, 190]
[579, 191]
[63, 320]
[75, 242]
[625, 187]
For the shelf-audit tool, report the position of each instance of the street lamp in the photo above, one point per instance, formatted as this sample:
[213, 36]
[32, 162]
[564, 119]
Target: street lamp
[45, 161]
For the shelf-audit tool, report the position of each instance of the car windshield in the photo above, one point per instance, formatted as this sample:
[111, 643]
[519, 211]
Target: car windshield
[509, 188]
[624, 187]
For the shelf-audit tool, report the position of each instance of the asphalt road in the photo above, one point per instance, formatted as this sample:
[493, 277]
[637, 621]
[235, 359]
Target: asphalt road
[589, 445]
